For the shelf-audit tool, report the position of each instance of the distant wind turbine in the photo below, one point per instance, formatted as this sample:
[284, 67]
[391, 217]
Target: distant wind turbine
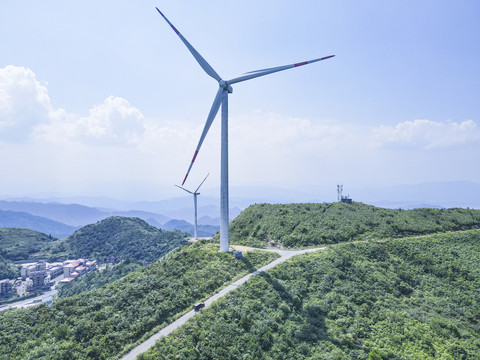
[195, 194]
[222, 99]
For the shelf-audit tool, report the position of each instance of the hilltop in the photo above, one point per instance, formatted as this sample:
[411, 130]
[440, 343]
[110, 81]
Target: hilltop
[298, 225]
[23, 244]
[123, 238]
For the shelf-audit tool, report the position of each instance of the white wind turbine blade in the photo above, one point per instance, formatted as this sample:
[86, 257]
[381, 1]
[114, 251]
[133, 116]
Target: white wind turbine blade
[201, 61]
[201, 183]
[188, 191]
[258, 73]
[211, 116]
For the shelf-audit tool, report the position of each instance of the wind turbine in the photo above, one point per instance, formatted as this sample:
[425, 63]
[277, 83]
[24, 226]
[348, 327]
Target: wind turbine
[222, 99]
[195, 193]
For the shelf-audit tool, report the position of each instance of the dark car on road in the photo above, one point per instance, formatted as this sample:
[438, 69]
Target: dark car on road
[198, 306]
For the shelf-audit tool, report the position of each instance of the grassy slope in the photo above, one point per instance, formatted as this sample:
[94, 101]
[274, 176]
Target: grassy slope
[315, 224]
[102, 323]
[400, 299]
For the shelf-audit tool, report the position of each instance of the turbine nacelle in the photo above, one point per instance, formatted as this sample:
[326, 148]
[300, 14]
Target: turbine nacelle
[224, 85]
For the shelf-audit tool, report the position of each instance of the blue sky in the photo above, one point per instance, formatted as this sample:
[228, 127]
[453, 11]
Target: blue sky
[102, 98]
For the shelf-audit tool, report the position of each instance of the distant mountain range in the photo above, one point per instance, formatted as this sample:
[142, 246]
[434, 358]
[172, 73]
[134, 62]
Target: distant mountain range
[186, 227]
[61, 216]
[23, 220]
[61, 220]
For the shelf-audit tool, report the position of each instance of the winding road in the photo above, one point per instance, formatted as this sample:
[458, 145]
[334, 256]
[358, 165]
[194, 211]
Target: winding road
[147, 344]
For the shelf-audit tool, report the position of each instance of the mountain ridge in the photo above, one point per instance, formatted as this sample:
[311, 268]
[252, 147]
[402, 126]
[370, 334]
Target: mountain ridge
[24, 220]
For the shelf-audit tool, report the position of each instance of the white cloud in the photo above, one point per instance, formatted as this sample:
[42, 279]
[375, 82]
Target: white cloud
[114, 122]
[115, 143]
[24, 103]
[26, 113]
[426, 134]
[284, 135]
[268, 147]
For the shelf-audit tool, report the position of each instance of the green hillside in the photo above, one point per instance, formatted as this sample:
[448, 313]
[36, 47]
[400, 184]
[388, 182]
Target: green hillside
[124, 238]
[97, 279]
[21, 244]
[299, 225]
[7, 269]
[102, 323]
[412, 298]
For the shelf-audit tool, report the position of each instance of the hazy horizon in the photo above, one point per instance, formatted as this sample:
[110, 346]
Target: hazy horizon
[436, 194]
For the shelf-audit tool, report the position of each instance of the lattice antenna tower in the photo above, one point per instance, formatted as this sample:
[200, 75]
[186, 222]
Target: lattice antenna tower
[339, 192]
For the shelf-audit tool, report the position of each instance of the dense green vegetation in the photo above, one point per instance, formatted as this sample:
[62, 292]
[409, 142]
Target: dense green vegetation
[415, 298]
[101, 323]
[96, 279]
[406, 298]
[7, 269]
[124, 238]
[130, 240]
[315, 224]
[21, 244]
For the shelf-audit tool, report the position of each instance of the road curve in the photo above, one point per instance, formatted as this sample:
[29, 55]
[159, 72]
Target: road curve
[147, 344]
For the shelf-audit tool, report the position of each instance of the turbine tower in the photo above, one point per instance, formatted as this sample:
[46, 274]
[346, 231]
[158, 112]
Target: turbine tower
[221, 98]
[195, 194]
